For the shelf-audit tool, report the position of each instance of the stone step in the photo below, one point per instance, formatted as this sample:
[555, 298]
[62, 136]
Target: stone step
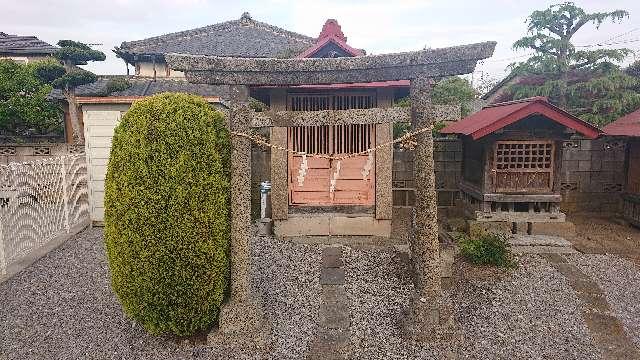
[538, 240]
[543, 250]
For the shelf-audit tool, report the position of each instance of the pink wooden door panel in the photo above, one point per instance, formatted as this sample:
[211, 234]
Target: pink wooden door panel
[351, 187]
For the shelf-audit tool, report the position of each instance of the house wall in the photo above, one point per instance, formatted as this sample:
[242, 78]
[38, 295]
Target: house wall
[592, 175]
[146, 69]
[100, 121]
[24, 59]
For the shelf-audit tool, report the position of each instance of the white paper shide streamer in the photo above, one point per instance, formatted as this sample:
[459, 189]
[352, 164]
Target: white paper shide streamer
[334, 177]
[302, 172]
[367, 166]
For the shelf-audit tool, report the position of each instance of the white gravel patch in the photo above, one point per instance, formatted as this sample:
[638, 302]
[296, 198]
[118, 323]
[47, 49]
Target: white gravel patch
[378, 287]
[619, 279]
[530, 314]
[287, 276]
[62, 307]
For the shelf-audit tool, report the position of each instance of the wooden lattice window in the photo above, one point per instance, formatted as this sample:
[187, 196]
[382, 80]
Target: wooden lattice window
[344, 101]
[332, 139]
[524, 166]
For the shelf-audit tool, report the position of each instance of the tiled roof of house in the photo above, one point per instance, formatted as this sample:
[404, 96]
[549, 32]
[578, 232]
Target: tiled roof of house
[244, 37]
[495, 117]
[27, 45]
[146, 87]
[628, 125]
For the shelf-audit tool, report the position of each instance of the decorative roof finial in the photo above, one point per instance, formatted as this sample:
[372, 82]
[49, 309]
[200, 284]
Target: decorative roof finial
[246, 17]
[331, 28]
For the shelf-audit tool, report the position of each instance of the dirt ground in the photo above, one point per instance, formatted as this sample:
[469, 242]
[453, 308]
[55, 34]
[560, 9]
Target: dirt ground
[596, 234]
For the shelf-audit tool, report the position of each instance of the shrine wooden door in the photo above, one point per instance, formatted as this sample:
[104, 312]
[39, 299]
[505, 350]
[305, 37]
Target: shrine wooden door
[321, 181]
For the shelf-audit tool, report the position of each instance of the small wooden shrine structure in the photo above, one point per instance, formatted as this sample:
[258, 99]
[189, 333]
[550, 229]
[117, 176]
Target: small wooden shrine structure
[511, 158]
[629, 126]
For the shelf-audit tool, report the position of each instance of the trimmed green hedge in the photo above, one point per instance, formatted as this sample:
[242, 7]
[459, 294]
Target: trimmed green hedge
[167, 216]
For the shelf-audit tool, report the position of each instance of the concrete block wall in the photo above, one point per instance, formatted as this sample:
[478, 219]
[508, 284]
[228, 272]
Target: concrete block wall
[28, 152]
[447, 154]
[592, 175]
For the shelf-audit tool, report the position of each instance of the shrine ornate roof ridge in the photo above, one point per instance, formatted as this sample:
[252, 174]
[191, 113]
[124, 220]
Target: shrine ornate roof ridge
[461, 53]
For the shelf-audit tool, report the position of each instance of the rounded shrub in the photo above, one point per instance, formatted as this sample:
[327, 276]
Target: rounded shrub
[167, 216]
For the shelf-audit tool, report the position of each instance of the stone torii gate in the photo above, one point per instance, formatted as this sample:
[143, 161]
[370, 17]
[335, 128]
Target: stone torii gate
[243, 315]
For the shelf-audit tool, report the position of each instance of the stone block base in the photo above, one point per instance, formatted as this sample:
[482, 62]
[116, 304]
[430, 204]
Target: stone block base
[245, 323]
[332, 225]
[563, 229]
[432, 321]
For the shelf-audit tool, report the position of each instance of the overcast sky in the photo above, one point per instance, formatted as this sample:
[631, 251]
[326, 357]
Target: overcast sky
[378, 26]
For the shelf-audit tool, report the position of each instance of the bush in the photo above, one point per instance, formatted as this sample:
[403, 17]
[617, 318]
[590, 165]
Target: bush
[486, 249]
[167, 217]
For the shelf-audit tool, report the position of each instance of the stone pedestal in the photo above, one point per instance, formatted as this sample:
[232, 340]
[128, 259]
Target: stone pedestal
[245, 323]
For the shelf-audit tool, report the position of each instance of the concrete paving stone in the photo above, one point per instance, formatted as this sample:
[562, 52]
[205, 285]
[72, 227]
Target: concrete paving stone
[332, 276]
[538, 240]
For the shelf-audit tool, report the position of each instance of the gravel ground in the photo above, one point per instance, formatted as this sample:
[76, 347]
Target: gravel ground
[288, 277]
[531, 313]
[378, 287]
[620, 280]
[62, 307]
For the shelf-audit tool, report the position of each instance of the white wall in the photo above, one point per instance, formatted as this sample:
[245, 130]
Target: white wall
[100, 121]
[146, 69]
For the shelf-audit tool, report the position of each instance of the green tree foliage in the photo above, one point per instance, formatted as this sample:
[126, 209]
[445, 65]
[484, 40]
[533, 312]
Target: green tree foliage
[453, 90]
[167, 213]
[67, 75]
[24, 106]
[117, 84]
[587, 83]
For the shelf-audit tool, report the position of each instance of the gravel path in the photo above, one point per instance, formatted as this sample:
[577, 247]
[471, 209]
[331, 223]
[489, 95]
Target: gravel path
[620, 280]
[62, 307]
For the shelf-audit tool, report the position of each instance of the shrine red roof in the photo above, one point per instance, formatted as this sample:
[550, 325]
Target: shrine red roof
[495, 117]
[628, 125]
[331, 33]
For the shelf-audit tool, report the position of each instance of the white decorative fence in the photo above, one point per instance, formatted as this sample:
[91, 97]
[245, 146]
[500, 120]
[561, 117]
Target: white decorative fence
[42, 203]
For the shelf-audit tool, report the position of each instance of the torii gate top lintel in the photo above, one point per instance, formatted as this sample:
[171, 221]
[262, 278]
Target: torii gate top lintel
[435, 63]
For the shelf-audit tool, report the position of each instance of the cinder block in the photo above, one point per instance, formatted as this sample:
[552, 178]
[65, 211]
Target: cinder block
[578, 155]
[584, 165]
[601, 176]
[612, 165]
[586, 144]
[570, 165]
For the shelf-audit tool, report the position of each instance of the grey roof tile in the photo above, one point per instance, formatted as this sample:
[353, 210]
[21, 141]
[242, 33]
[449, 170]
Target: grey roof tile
[15, 44]
[237, 38]
[148, 87]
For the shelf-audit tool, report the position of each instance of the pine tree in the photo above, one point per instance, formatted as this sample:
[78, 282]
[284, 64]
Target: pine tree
[67, 76]
[586, 83]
